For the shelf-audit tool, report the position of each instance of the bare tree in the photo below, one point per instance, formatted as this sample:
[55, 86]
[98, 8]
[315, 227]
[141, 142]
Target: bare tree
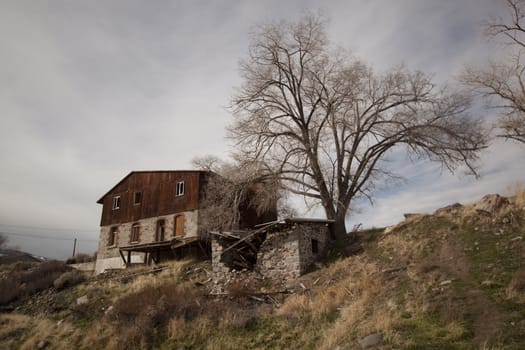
[231, 190]
[323, 123]
[503, 82]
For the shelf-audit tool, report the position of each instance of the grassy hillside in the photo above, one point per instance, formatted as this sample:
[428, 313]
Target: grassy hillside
[451, 280]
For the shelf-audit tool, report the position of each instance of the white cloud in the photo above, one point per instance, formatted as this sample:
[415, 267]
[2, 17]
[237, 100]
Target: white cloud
[93, 90]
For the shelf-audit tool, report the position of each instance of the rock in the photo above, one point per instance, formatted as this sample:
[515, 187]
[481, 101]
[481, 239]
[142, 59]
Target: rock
[491, 203]
[449, 209]
[371, 340]
[82, 300]
[389, 229]
[42, 344]
[410, 215]
[108, 310]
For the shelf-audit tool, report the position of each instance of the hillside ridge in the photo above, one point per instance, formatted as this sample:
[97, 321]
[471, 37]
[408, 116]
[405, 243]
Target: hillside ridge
[453, 279]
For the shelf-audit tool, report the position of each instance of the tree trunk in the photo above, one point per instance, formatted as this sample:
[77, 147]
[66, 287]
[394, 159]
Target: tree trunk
[338, 228]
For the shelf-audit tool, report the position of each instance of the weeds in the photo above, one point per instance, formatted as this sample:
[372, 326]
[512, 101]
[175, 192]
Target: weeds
[23, 281]
[69, 279]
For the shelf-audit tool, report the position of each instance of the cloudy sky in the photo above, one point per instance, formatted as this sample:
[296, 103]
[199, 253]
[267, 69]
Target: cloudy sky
[90, 90]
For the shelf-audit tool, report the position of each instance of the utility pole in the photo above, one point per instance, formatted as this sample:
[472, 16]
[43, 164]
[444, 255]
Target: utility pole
[74, 248]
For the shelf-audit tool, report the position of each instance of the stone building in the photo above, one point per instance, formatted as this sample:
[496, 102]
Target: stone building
[150, 216]
[147, 215]
[280, 250]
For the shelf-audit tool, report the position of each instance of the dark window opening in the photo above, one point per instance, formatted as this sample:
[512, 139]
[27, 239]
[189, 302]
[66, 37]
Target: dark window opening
[112, 239]
[116, 202]
[137, 198]
[315, 246]
[159, 234]
[135, 232]
[179, 189]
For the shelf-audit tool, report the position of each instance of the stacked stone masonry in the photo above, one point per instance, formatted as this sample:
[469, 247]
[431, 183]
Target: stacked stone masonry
[285, 254]
[108, 255]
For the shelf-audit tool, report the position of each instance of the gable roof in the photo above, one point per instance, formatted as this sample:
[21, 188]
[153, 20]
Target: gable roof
[101, 200]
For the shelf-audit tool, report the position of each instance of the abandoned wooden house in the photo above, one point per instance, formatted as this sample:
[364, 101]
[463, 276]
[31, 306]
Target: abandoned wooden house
[153, 215]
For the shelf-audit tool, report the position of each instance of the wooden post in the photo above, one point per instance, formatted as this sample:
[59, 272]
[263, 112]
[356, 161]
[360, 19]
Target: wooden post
[74, 247]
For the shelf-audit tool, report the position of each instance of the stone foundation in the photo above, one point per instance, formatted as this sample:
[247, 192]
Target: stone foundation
[108, 257]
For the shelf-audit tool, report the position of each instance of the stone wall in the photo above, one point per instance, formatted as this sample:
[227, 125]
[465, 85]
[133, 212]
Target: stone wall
[285, 254]
[220, 270]
[288, 254]
[108, 257]
[307, 233]
[279, 257]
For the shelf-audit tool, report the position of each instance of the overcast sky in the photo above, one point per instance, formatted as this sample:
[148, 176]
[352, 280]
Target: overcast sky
[91, 90]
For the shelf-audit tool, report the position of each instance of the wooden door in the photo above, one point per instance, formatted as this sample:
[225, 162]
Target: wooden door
[179, 226]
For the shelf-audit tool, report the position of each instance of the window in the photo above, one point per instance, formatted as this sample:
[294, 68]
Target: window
[135, 232]
[137, 198]
[116, 202]
[315, 246]
[113, 235]
[179, 190]
[159, 234]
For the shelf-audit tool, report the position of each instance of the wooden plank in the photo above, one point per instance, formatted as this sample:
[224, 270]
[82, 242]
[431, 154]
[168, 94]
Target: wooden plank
[122, 256]
[248, 237]
[158, 196]
[179, 226]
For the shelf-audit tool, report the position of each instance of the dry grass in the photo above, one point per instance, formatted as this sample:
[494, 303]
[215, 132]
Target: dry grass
[23, 281]
[516, 193]
[25, 333]
[518, 281]
[359, 315]
[402, 246]
[393, 286]
[12, 329]
[178, 327]
[69, 279]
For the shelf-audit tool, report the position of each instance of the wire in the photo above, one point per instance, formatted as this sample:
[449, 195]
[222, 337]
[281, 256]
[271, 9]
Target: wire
[47, 237]
[48, 228]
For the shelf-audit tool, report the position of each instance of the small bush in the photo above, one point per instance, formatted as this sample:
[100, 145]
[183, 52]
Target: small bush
[518, 281]
[69, 279]
[43, 276]
[161, 310]
[81, 258]
[24, 280]
[9, 290]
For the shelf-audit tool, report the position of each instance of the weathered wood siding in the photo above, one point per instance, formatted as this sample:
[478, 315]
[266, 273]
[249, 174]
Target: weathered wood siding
[158, 192]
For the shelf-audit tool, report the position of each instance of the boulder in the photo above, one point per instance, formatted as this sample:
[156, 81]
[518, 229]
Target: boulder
[491, 203]
[82, 300]
[452, 209]
[371, 340]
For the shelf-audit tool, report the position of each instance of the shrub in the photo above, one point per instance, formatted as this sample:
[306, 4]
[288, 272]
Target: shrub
[23, 280]
[9, 290]
[518, 281]
[81, 258]
[43, 276]
[143, 316]
[69, 279]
